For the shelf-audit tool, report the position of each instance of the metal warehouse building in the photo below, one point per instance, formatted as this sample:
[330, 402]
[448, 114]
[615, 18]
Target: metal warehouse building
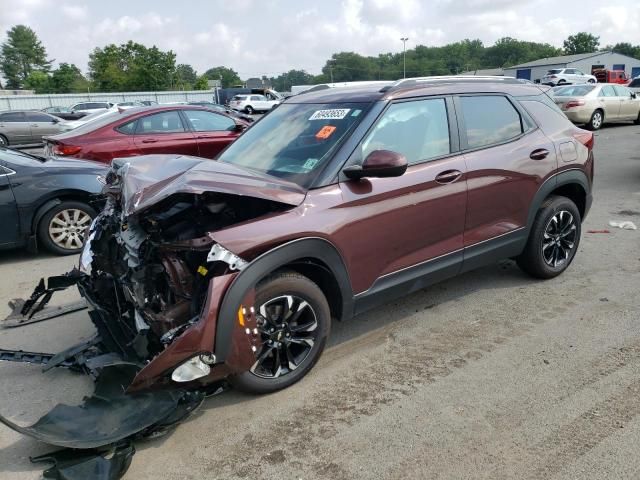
[585, 62]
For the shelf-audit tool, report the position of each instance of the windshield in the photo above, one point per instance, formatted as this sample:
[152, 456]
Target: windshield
[573, 91]
[295, 141]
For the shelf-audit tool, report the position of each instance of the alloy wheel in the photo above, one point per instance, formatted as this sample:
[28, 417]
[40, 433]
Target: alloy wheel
[67, 228]
[559, 239]
[288, 327]
[596, 121]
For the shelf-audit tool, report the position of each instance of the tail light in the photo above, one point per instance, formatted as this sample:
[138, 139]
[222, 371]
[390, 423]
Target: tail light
[66, 149]
[574, 103]
[585, 138]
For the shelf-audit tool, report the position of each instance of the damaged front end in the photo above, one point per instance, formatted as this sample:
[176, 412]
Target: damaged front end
[154, 280]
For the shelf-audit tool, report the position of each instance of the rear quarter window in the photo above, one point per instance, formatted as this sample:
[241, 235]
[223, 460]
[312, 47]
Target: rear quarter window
[547, 115]
[490, 120]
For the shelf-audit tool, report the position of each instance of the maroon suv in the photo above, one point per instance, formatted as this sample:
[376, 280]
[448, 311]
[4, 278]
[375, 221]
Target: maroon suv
[337, 201]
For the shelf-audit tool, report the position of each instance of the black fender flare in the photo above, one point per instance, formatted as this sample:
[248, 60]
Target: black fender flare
[314, 247]
[573, 176]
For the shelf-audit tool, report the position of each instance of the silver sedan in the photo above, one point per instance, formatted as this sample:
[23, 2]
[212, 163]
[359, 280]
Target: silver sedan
[595, 105]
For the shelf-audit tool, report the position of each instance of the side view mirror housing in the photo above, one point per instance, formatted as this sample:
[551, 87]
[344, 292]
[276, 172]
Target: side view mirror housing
[378, 164]
[240, 127]
[55, 120]
[634, 94]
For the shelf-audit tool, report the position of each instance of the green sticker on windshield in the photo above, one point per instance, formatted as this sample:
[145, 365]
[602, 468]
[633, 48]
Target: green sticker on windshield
[309, 164]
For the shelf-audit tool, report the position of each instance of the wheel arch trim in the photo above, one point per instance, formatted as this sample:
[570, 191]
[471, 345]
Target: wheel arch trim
[290, 252]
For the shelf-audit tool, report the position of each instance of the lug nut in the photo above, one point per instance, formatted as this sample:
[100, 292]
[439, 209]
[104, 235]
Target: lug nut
[248, 331]
[255, 331]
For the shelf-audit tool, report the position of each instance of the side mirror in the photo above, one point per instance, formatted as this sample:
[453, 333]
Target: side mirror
[240, 127]
[634, 94]
[55, 120]
[380, 164]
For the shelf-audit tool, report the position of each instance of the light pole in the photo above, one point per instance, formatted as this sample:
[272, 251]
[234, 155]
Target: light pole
[404, 56]
[331, 69]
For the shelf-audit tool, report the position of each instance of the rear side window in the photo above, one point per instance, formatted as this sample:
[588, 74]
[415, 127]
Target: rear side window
[419, 130]
[607, 91]
[239, 97]
[38, 117]
[164, 122]
[547, 115]
[12, 117]
[128, 128]
[489, 120]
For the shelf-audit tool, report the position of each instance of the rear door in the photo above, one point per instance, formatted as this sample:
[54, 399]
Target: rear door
[42, 125]
[610, 103]
[15, 128]
[507, 160]
[628, 105]
[164, 132]
[9, 232]
[213, 131]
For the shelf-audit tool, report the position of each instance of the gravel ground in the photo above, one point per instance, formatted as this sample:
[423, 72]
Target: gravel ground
[490, 375]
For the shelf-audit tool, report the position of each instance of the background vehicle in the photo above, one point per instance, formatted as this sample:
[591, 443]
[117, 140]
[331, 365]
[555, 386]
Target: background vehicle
[252, 103]
[306, 218]
[86, 118]
[611, 76]
[565, 76]
[148, 103]
[222, 108]
[182, 129]
[27, 127]
[91, 107]
[48, 203]
[595, 105]
[634, 85]
[63, 112]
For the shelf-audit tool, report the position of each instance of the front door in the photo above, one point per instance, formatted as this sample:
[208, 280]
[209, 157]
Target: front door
[8, 210]
[42, 125]
[507, 161]
[400, 224]
[164, 132]
[628, 105]
[213, 131]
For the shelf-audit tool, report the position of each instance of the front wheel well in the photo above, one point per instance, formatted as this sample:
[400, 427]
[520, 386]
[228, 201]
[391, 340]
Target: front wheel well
[70, 196]
[319, 273]
[574, 192]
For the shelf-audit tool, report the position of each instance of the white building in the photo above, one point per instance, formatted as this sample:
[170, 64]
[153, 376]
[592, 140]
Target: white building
[585, 62]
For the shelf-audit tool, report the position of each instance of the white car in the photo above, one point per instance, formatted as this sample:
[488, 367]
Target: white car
[566, 76]
[90, 107]
[250, 103]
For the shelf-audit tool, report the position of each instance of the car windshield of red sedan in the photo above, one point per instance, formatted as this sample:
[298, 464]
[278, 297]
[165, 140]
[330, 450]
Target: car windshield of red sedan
[295, 140]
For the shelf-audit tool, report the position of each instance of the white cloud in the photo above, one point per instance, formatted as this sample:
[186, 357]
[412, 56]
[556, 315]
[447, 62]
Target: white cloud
[74, 12]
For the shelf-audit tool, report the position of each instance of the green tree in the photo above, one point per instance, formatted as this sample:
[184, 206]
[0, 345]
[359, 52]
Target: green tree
[67, 78]
[228, 76]
[38, 81]
[22, 54]
[201, 83]
[581, 42]
[131, 67]
[284, 81]
[508, 51]
[627, 49]
[185, 77]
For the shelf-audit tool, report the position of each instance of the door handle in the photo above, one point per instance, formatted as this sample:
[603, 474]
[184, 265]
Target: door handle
[448, 176]
[539, 154]
[149, 140]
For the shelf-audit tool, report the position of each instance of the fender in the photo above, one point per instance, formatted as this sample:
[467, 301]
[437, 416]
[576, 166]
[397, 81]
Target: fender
[567, 177]
[31, 234]
[314, 247]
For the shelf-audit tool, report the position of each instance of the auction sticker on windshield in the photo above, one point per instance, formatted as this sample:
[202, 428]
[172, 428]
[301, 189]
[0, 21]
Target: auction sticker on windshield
[331, 114]
[325, 132]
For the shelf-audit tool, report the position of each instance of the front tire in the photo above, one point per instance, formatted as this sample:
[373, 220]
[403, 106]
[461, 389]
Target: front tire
[62, 229]
[596, 121]
[637, 120]
[3, 141]
[553, 240]
[294, 320]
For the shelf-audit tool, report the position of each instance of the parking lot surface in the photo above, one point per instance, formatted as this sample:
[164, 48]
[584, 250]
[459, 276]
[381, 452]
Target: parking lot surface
[489, 375]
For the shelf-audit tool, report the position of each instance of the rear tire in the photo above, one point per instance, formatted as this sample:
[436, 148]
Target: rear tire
[62, 229]
[596, 121]
[3, 141]
[554, 239]
[591, 80]
[249, 110]
[299, 311]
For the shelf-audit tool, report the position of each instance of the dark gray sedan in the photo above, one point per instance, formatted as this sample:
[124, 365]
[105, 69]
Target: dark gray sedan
[27, 127]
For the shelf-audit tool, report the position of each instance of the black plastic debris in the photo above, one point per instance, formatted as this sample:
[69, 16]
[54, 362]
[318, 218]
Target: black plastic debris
[109, 463]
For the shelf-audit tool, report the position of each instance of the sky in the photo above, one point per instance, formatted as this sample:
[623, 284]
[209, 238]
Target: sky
[270, 37]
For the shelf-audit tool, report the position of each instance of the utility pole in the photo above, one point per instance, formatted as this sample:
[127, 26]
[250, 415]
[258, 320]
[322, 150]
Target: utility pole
[330, 63]
[404, 56]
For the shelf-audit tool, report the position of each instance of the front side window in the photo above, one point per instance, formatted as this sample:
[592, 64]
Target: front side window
[622, 91]
[202, 121]
[163, 122]
[419, 130]
[296, 140]
[489, 120]
[38, 117]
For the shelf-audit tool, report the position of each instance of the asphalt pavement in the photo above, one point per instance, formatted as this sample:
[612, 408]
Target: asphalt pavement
[491, 375]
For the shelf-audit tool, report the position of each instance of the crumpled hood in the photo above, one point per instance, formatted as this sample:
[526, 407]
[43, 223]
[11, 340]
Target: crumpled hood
[148, 179]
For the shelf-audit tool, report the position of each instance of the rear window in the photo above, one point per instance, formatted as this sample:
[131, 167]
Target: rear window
[490, 120]
[573, 91]
[99, 120]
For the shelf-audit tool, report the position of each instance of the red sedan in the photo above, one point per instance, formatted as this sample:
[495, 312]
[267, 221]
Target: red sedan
[182, 129]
